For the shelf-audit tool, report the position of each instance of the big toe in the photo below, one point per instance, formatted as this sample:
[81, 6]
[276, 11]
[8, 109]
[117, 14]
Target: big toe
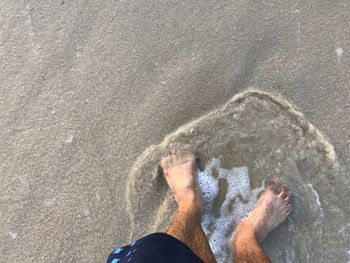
[177, 153]
[271, 185]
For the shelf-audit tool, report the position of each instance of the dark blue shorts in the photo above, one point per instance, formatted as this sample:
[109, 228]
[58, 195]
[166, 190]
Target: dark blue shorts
[154, 248]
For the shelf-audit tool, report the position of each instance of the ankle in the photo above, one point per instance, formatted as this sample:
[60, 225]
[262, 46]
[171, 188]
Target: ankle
[245, 233]
[191, 204]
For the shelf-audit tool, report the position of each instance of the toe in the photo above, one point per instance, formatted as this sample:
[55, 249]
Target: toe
[271, 185]
[172, 150]
[288, 197]
[274, 184]
[283, 194]
[288, 207]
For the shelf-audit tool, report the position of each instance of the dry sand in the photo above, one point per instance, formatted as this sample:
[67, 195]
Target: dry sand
[86, 87]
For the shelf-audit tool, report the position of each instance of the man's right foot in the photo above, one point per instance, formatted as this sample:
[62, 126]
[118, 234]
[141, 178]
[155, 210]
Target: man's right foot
[272, 210]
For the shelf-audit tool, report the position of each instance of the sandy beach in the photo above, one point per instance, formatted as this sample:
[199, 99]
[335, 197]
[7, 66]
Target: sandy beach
[87, 87]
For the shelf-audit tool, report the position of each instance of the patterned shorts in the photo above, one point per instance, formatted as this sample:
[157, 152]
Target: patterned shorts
[155, 248]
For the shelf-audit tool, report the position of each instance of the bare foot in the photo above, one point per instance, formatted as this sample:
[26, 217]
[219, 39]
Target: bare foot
[272, 210]
[179, 168]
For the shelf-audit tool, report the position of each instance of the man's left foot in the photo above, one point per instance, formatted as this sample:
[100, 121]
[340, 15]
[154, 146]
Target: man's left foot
[272, 210]
[180, 169]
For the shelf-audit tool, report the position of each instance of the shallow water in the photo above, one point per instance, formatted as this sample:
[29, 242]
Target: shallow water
[228, 198]
[267, 135]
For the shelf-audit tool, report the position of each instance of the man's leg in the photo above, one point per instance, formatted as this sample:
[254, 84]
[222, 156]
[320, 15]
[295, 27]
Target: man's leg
[272, 210]
[180, 172]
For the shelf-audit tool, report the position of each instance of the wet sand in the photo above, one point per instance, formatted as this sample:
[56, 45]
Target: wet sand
[87, 87]
[267, 136]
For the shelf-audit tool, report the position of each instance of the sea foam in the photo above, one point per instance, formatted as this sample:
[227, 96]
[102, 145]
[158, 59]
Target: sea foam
[236, 203]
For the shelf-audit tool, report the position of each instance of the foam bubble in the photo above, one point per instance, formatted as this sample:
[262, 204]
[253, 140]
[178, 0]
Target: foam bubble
[238, 203]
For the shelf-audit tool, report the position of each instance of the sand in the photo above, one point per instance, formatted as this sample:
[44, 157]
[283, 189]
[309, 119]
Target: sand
[265, 134]
[87, 87]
